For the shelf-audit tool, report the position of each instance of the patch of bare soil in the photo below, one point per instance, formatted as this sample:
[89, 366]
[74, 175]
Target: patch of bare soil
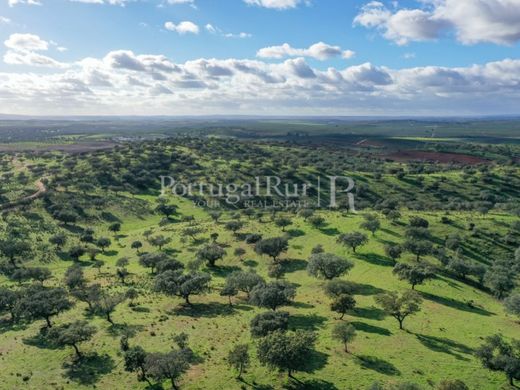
[435, 157]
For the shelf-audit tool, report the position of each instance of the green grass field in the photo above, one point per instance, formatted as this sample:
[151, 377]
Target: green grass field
[437, 343]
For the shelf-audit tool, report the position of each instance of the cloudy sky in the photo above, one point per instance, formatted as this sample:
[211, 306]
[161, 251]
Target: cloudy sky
[271, 57]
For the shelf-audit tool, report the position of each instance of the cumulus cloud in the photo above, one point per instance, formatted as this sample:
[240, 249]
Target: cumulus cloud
[473, 21]
[4, 20]
[12, 3]
[320, 51]
[184, 27]
[13, 57]
[23, 50]
[26, 42]
[276, 4]
[124, 82]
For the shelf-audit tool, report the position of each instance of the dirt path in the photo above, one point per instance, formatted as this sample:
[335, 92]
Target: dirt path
[41, 189]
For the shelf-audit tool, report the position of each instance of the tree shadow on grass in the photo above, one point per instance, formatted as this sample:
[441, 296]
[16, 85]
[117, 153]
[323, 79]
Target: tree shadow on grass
[309, 322]
[199, 241]
[367, 328]
[311, 384]
[316, 361]
[110, 253]
[302, 305]
[444, 345]
[456, 304]
[40, 340]
[171, 251]
[372, 313]
[75, 229]
[295, 233]
[223, 270]
[212, 309]
[329, 231]
[109, 217]
[376, 259]
[390, 232]
[89, 369]
[365, 289]
[293, 265]
[251, 263]
[8, 325]
[141, 309]
[124, 329]
[376, 364]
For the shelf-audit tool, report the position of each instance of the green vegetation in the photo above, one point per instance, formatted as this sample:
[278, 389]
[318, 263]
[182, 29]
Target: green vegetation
[417, 290]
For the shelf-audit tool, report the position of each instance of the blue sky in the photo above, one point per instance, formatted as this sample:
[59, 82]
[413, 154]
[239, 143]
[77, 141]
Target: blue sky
[434, 43]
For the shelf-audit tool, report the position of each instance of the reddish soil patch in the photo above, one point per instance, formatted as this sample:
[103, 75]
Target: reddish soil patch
[435, 157]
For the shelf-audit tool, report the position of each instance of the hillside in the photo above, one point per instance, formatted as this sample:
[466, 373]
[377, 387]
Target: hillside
[472, 215]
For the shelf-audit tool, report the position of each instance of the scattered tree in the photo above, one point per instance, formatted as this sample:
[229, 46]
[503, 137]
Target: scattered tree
[353, 240]
[72, 334]
[238, 358]
[286, 351]
[272, 247]
[328, 266]
[269, 321]
[343, 303]
[273, 295]
[399, 307]
[344, 332]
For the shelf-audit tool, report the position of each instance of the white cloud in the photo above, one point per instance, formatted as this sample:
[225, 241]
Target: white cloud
[4, 20]
[13, 57]
[241, 35]
[26, 42]
[215, 30]
[183, 27]
[276, 4]
[320, 51]
[473, 21]
[175, 2]
[12, 3]
[111, 2]
[124, 82]
[211, 29]
[23, 50]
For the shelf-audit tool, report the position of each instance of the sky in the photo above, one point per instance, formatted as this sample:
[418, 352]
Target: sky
[260, 57]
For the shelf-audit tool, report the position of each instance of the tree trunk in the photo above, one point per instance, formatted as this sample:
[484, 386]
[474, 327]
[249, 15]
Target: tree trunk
[230, 303]
[346, 348]
[400, 324]
[342, 315]
[187, 300]
[143, 375]
[47, 319]
[174, 386]
[241, 368]
[109, 319]
[78, 354]
[413, 286]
